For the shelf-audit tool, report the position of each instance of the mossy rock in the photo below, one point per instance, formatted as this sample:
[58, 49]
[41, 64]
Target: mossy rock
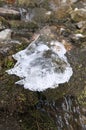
[4, 23]
[78, 15]
[63, 12]
[9, 13]
[35, 119]
[33, 3]
[2, 2]
[15, 24]
[15, 98]
[82, 97]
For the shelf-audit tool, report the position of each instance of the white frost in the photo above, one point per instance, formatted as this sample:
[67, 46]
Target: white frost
[42, 65]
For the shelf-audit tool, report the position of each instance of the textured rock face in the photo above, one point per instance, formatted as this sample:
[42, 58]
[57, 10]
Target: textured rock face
[78, 14]
[39, 15]
[40, 2]
[9, 13]
[22, 2]
[5, 35]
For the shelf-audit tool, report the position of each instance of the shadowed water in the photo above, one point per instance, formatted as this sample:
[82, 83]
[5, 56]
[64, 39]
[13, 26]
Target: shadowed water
[65, 111]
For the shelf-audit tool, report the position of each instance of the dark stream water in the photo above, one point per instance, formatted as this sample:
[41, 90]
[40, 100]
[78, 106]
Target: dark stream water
[65, 112]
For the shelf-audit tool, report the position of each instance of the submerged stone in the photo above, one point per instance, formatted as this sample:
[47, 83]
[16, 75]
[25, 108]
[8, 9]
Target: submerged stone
[42, 65]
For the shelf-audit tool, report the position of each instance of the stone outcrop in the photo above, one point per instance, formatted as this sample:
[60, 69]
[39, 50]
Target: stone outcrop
[9, 13]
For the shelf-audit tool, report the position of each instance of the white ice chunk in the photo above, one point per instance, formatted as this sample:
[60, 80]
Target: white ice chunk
[42, 65]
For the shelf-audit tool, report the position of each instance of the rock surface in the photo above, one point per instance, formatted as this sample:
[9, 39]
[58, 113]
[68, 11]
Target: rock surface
[9, 13]
[78, 14]
[5, 35]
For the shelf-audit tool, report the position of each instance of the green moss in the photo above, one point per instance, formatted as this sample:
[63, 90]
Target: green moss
[2, 2]
[82, 98]
[4, 21]
[15, 24]
[10, 64]
[45, 4]
[21, 47]
[36, 120]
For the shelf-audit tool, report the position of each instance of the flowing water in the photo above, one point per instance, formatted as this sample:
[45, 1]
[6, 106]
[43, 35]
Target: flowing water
[66, 112]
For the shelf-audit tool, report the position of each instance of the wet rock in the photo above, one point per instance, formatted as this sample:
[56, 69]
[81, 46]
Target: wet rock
[82, 97]
[34, 3]
[2, 2]
[81, 24]
[9, 13]
[12, 46]
[24, 2]
[81, 27]
[47, 33]
[67, 45]
[78, 14]
[39, 15]
[73, 1]
[68, 1]
[3, 23]
[5, 35]
[56, 4]
[8, 121]
[63, 11]
[77, 36]
[79, 4]
[18, 99]
[1, 26]
[22, 25]
[30, 3]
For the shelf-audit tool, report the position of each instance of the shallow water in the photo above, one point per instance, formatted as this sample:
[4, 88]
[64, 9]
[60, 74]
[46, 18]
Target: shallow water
[66, 112]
